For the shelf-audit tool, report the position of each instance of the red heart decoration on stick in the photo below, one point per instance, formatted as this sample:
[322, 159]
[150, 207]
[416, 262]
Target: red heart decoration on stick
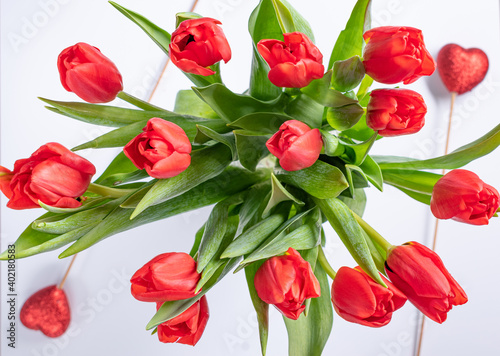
[461, 69]
[48, 311]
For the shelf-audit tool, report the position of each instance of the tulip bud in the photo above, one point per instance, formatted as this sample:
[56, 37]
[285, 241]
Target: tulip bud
[296, 145]
[357, 298]
[187, 327]
[163, 149]
[287, 281]
[396, 54]
[169, 276]
[395, 112]
[294, 63]
[53, 175]
[420, 274]
[85, 71]
[197, 44]
[462, 196]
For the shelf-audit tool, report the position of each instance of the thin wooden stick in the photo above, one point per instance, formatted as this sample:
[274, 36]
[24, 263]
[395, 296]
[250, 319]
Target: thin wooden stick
[67, 272]
[436, 226]
[193, 7]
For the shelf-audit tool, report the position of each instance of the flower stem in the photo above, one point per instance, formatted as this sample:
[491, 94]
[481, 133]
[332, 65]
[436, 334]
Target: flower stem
[324, 263]
[141, 104]
[374, 235]
[108, 192]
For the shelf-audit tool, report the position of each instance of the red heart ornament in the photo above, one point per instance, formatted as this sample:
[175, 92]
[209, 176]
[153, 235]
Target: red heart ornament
[461, 69]
[48, 311]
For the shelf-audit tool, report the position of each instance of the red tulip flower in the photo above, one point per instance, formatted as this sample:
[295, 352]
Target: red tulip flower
[396, 54]
[85, 71]
[294, 63]
[395, 112]
[420, 274]
[53, 175]
[296, 145]
[163, 149]
[287, 281]
[197, 44]
[462, 196]
[357, 298]
[187, 327]
[169, 276]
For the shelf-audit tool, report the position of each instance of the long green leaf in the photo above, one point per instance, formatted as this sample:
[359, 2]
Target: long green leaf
[230, 106]
[230, 182]
[456, 159]
[261, 308]
[321, 180]
[308, 335]
[417, 181]
[205, 164]
[350, 41]
[351, 234]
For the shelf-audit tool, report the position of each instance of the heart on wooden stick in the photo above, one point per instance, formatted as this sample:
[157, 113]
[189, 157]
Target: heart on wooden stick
[461, 69]
[48, 311]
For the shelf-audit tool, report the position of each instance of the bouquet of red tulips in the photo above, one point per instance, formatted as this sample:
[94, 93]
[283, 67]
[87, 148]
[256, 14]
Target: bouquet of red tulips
[276, 162]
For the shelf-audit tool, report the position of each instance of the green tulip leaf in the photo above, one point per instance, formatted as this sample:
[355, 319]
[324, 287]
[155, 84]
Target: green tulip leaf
[183, 16]
[420, 197]
[249, 240]
[351, 234]
[230, 106]
[187, 102]
[122, 178]
[307, 110]
[87, 204]
[417, 181]
[319, 90]
[215, 231]
[205, 134]
[362, 94]
[373, 172]
[321, 180]
[347, 74]
[350, 41]
[456, 159]
[213, 263]
[279, 194]
[356, 202]
[231, 181]
[360, 131]
[134, 199]
[356, 153]
[308, 335]
[331, 144]
[205, 164]
[121, 164]
[262, 122]
[251, 148]
[344, 117]
[197, 241]
[261, 308]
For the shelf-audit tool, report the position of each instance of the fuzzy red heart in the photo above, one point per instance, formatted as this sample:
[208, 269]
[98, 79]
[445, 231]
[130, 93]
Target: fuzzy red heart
[461, 69]
[48, 311]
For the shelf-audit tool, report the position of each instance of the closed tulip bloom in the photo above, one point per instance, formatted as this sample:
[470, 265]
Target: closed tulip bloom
[53, 175]
[294, 62]
[357, 298]
[286, 282]
[419, 273]
[395, 112]
[85, 71]
[163, 149]
[396, 54]
[296, 145]
[187, 327]
[169, 276]
[462, 196]
[197, 44]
